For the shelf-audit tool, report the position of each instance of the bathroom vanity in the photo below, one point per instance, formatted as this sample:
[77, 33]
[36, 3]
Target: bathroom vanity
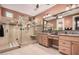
[48, 40]
[69, 44]
[43, 39]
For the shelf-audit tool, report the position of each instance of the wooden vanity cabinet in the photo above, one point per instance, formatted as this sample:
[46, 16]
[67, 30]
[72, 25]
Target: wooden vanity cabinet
[39, 39]
[54, 41]
[75, 48]
[69, 45]
[43, 40]
[64, 46]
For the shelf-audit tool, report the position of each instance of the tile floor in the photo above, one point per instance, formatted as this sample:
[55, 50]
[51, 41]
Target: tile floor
[32, 49]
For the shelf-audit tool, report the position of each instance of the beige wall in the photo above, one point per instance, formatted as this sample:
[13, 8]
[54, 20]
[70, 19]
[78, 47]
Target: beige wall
[68, 21]
[39, 20]
[0, 11]
[15, 13]
[54, 10]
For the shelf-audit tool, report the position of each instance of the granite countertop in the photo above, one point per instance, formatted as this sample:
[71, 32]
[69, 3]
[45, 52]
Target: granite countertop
[52, 35]
[49, 34]
[68, 34]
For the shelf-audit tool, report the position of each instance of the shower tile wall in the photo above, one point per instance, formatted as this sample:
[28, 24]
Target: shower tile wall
[26, 36]
[13, 36]
[4, 41]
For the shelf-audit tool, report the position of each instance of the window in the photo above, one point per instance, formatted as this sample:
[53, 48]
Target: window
[8, 14]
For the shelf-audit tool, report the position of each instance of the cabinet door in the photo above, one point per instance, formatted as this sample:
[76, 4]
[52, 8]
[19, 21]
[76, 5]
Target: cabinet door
[75, 48]
[39, 39]
[45, 40]
[65, 50]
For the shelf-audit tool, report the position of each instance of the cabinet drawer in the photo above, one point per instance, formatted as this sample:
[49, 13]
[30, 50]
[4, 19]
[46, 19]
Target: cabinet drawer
[65, 43]
[45, 40]
[65, 50]
[40, 41]
[50, 37]
[62, 37]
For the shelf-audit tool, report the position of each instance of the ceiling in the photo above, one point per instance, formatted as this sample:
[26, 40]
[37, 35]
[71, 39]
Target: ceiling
[29, 9]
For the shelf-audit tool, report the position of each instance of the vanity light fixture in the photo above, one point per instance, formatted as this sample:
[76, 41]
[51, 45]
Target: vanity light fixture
[48, 15]
[68, 7]
[60, 16]
[74, 6]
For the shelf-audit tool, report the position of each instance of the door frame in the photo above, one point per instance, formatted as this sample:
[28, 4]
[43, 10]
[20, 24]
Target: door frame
[73, 22]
